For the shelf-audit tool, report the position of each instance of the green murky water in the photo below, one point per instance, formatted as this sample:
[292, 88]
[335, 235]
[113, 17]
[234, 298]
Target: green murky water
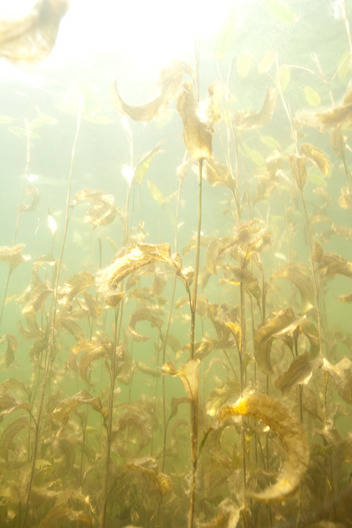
[176, 265]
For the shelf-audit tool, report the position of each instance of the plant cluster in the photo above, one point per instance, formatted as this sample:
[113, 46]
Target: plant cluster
[206, 385]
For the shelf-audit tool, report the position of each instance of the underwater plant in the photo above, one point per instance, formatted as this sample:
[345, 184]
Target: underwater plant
[175, 351]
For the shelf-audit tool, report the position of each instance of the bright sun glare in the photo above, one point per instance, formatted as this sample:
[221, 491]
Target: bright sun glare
[147, 33]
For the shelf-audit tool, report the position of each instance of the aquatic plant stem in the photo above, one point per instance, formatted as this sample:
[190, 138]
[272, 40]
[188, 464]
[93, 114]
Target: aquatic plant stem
[194, 400]
[52, 328]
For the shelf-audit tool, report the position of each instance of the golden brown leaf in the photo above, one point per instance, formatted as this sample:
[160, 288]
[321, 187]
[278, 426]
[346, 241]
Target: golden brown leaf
[169, 84]
[188, 375]
[346, 298]
[345, 199]
[218, 174]
[341, 376]
[283, 323]
[34, 296]
[9, 433]
[34, 194]
[12, 344]
[298, 169]
[31, 38]
[75, 284]
[63, 512]
[340, 115]
[331, 264]
[299, 371]
[246, 119]
[316, 156]
[12, 255]
[91, 350]
[137, 257]
[103, 211]
[143, 314]
[298, 275]
[236, 275]
[291, 433]
[62, 411]
[197, 124]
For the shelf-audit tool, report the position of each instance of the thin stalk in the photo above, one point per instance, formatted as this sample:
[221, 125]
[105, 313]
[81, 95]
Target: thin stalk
[117, 330]
[50, 350]
[194, 400]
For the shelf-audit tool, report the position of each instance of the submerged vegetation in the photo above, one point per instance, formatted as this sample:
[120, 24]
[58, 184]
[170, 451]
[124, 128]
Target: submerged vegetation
[198, 374]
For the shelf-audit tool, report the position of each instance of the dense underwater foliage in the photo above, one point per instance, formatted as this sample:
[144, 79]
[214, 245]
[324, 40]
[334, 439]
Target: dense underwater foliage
[176, 305]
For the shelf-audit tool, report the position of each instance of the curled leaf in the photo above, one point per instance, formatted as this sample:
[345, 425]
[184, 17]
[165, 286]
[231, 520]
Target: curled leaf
[61, 413]
[103, 211]
[34, 199]
[345, 199]
[137, 257]
[299, 372]
[341, 376]
[298, 275]
[169, 84]
[316, 156]
[218, 174]
[31, 38]
[12, 344]
[188, 375]
[291, 433]
[246, 119]
[197, 124]
[282, 324]
[12, 255]
[143, 314]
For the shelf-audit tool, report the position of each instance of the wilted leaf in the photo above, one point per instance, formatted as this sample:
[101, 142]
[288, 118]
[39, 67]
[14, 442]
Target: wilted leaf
[188, 375]
[283, 323]
[12, 255]
[75, 284]
[12, 344]
[298, 169]
[346, 298]
[34, 199]
[61, 413]
[91, 350]
[197, 124]
[218, 174]
[299, 371]
[31, 38]
[229, 514]
[148, 468]
[341, 376]
[331, 264]
[63, 512]
[103, 211]
[316, 156]
[291, 433]
[250, 119]
[9, 433]
[298, 275]
[137, 257]
[169, 84]
[236, 275]
[345, 199]
[144, 165]
[142, 314]
[34, 296]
